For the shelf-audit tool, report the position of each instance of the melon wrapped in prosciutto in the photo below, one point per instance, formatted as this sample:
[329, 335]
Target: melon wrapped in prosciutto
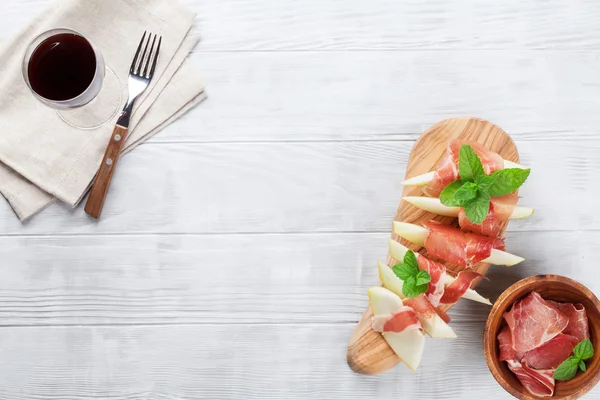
[447, 170]
[443, 287]
[451, 244]
[404, 318]
[457, 247]
[501, 208]
[455, 290]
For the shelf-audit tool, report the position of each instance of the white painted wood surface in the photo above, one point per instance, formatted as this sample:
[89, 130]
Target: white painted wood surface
[236, 266]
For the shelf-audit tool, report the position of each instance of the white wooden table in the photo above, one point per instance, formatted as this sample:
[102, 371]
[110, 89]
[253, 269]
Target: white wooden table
[237, 266]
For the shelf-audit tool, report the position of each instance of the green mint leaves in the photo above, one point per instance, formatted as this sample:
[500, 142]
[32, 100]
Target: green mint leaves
[474, 189]
[469, 165]
[584, 350]
[506, 181]
[415, 280]
[568, 368]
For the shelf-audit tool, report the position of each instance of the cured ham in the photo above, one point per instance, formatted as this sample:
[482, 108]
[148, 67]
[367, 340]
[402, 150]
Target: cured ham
[501, 209]
[537, 382]
[578, 322]
[538, 337]
[552, 353]
[424, 309]
[533, 321]
[403, 319]
[397, 252]
[436, 271]
[448, 242]
[507, 351]
[398, 325]
[447, 170]
[457, 247]
[454, 291]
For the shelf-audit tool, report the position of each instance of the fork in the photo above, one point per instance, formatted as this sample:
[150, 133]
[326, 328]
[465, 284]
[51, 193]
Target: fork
[140, 75]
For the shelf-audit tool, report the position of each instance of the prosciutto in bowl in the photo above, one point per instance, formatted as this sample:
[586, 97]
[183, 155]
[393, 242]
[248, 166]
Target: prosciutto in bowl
[540, 337]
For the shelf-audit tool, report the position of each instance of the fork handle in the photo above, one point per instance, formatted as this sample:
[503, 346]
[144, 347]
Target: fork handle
[95, 201]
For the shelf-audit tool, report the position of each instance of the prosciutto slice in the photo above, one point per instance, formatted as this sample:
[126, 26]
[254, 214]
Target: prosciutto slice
[447, 170]
[507, 351]
[500, 210]
[454, 291]
[552, 353]
[578, 322]
[403, 319]
[436, 270]
[423, 307]
[537, 382]
[457, 247]
[533, 321]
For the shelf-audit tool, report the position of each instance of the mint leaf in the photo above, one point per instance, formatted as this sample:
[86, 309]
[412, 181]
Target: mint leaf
[411, 259]
[584, 349]
[404, 271]
[423, 278]
[422, 288]
[415, 281]
[409, 291]
[582, 365]
[466, 193]
[506, 181]
[409, 287]
[477, 210]
[484, 182]
[447, 196]
[567, 369]
[469, 165]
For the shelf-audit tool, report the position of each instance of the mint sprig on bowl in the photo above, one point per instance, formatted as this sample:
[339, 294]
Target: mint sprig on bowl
[474, 190]
[568, 368]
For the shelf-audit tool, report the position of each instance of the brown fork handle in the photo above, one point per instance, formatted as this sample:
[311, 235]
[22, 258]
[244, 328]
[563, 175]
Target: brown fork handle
[95, 201]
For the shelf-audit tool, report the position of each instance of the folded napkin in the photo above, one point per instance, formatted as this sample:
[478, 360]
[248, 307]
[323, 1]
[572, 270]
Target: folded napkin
[47, 154]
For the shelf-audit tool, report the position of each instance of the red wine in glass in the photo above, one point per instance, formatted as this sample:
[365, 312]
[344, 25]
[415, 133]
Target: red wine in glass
[63, 69]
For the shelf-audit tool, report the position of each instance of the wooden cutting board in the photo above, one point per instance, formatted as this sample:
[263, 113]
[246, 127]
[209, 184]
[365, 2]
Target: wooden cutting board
[368, 352]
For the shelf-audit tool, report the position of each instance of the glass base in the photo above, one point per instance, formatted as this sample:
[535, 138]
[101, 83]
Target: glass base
[102, 109]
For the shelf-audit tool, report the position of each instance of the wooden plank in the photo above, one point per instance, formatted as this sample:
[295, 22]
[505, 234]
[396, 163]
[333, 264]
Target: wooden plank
[193, 279]
[391, 95]
[269, 25]
[227, 362]
[303, 187]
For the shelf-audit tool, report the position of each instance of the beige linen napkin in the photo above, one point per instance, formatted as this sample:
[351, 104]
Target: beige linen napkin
[48, 153]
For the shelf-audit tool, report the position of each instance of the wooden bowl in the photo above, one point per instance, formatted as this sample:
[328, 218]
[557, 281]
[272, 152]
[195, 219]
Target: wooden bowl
[550, 287]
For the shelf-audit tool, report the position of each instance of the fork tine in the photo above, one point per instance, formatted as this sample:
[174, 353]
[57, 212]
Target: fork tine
[145, 73]
[155, 59]
[137, 53]
[138, 70]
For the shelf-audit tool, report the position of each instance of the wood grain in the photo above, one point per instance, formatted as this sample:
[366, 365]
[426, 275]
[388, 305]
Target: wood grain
[247, 361]
[550, 287]
[320, 187]
[253, 301]
[224, 279]
[368, 352]
[95, 201]
[335, 25]
[361, 101]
